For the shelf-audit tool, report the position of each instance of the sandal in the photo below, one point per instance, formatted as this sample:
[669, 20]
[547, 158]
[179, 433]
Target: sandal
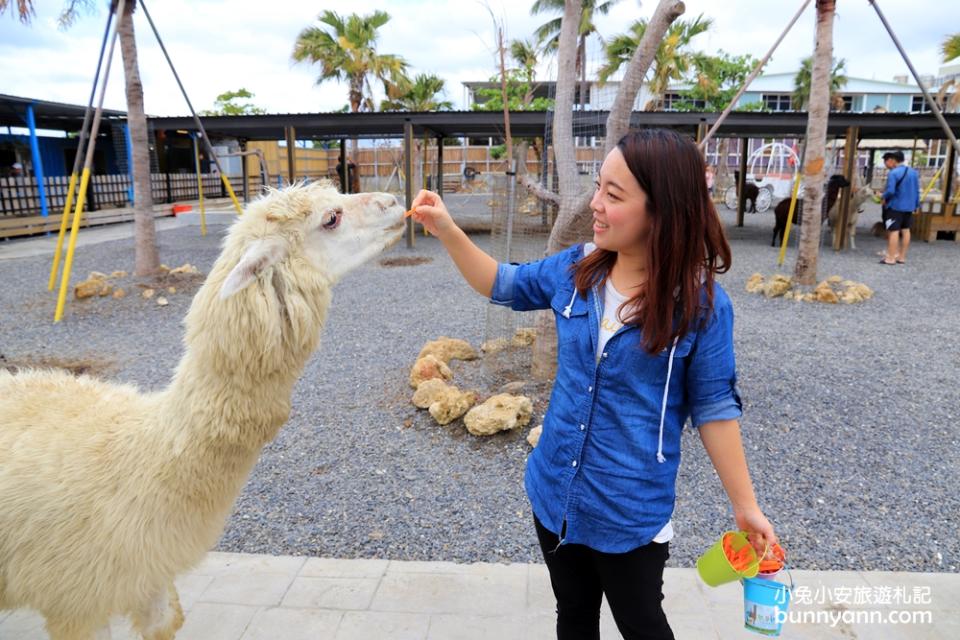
[901, 262]
[887, 263]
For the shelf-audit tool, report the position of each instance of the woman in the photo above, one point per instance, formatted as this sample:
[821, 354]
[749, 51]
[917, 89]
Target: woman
[645, 341]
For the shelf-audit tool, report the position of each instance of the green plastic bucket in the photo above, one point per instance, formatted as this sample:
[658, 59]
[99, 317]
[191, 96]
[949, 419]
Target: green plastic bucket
[714, 567]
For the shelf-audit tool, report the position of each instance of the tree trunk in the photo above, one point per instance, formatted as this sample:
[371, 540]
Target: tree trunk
[574, 217]
[814, 167]
[147, 257]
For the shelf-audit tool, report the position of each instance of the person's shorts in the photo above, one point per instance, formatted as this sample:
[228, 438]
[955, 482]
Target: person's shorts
[894, 220]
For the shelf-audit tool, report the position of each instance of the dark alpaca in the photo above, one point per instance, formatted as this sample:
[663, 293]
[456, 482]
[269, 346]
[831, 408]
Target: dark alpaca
[750, 192]
[780, 212]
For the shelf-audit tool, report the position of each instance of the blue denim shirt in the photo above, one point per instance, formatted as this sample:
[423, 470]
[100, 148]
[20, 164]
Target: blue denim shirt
[903, 189]
[596, 467]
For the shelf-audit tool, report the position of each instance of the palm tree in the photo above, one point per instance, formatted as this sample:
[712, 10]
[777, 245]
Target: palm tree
[346, 50]
[548, 34]
[24, 9]
[672, 61]
[423, 93]
[146, 254]
[801, 84]
[822, 73]
[951, 47]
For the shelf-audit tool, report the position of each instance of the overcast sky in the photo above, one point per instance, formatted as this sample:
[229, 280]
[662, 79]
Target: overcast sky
[221, 45]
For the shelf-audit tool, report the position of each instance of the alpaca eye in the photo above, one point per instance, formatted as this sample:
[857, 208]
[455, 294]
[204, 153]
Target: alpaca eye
[331, 219]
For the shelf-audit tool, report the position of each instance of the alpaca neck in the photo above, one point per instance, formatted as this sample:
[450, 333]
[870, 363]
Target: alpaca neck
[243, 357]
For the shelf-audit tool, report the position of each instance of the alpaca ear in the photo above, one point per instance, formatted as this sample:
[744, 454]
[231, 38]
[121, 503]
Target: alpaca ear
[259, 256]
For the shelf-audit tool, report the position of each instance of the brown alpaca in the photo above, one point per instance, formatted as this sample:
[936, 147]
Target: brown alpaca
[783, 208]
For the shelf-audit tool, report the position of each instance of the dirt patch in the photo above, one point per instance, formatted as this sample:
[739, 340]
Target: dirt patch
[405, 261]
[76, 366]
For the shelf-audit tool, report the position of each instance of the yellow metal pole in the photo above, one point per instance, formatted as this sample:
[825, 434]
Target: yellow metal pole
[233, 196]
[63, 231]
[933, 181]
[203, 217]
[85, 176]
[786, 232]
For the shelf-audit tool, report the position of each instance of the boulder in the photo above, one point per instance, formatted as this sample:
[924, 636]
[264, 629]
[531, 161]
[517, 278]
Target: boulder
[501, 412]
[447, 349]
[429, 367]
[755, 283]
[534, 436]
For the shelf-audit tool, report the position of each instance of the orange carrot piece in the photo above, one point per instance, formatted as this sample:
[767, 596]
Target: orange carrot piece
[410, 213]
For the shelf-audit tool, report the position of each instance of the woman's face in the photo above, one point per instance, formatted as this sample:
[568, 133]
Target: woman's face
[620, 220]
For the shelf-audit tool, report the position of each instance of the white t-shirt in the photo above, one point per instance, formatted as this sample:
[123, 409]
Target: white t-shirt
[609, 324]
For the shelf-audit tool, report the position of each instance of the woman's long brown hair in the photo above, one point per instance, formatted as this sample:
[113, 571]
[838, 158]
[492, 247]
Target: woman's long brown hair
[687, 245]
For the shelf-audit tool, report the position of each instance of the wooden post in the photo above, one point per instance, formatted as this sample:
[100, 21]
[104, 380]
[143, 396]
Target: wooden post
[408, 180]
[850, 166]
[344, 172]
[291, 154]
[440, 166]
[246, 173]
[742, 180]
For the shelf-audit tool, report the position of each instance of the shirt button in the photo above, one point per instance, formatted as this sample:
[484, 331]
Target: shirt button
[604, 354]
[582, 427]
[574, 463]
[590, 389]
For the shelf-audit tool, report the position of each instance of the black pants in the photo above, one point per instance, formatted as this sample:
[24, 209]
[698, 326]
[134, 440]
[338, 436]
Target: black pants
[632, 582]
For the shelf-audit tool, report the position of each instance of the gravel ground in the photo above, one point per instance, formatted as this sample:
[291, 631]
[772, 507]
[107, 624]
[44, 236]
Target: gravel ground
[850, 411]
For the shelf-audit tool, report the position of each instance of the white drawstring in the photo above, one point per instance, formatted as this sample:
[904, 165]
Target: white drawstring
[569, 307]
[666, 394]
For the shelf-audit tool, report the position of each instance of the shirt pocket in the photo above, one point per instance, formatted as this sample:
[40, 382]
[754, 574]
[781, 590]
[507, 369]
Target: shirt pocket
[572, 316]
[652, 369]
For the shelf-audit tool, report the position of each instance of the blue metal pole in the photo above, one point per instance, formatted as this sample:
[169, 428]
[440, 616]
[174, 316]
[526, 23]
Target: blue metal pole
[37, 163]
[126, 138]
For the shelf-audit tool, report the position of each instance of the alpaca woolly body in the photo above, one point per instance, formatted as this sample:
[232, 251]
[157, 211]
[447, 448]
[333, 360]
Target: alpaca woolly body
[106, 493]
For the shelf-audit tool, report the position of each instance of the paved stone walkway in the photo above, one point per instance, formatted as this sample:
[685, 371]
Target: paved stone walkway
[251, 597]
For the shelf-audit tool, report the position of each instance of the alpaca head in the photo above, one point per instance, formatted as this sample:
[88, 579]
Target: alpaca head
[314, 229]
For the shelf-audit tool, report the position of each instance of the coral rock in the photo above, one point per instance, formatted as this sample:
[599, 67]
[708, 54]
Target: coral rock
[447, 349]
[428, 392]
[118, 274]
[495, 345]
[755, 283]
[452, 404]
[148, 293]
[500, 413]
[184, 270]
[429, 367]
[119, 293]
[777, 286]
[534, 436]
[523, 337]
[162, 301]
[89, 288]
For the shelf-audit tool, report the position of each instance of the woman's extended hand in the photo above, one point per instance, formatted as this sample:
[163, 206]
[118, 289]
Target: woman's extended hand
[754, 522]
[429, 210]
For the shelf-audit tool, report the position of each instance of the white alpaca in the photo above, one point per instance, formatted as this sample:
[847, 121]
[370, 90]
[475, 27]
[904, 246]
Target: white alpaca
[107, 494]
[857, 199]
